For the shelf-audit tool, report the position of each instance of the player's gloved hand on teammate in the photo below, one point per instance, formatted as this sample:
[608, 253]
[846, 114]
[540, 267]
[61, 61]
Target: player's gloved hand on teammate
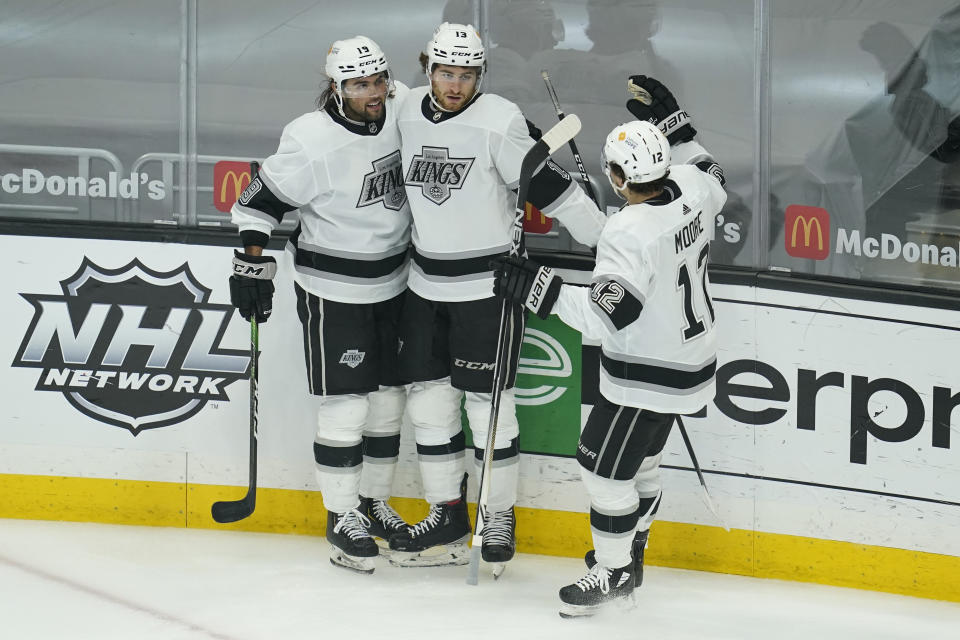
[652, 101]
[526, 283]
[251, 285]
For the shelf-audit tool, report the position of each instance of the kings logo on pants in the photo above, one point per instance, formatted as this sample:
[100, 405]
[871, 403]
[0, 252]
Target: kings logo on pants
[131, 347]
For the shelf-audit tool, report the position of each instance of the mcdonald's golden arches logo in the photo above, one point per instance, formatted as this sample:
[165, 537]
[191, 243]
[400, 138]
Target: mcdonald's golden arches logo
[230, 178]
[534, 221]
[806, 232]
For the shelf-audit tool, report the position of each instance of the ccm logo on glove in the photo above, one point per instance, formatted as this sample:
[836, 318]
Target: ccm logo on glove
[251, 285]
[259, 271]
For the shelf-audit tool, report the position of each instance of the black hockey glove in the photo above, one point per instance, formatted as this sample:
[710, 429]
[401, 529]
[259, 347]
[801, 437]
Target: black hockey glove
[653, 102]
[526, 283]
[251, 285]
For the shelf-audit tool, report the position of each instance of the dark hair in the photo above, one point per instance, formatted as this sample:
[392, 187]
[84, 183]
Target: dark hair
[326, 98]
[424, 60]
[651, 188]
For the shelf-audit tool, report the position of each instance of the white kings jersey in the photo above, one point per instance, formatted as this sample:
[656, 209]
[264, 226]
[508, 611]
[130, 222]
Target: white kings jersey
[460, 168]
[352, 241]
[649, 302]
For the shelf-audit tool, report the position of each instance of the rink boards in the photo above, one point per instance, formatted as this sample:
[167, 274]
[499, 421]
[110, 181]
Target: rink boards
[830, 449]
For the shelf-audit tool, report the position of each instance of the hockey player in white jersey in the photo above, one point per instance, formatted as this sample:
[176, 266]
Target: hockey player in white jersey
[340, 166]
[462, 151]
[649, 305]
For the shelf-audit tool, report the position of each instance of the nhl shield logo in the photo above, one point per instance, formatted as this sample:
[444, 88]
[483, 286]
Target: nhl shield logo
[437, 174]
[131, 347]
[352, 358]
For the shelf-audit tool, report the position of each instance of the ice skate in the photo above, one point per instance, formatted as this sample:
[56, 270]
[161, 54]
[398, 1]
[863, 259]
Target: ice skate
[499, 539]
[636, 552]
[384, 521]
[601, 586]
[351, 545]
[437, 540]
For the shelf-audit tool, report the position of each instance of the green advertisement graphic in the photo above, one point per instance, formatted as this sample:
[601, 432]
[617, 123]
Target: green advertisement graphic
[548, 388]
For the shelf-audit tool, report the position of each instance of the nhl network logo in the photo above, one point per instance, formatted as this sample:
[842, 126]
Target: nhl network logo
[384, 184]
[436, 173]
[131, 347]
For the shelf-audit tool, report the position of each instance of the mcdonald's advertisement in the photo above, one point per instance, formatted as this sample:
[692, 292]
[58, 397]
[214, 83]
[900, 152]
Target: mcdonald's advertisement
[834, 416]
[809, 233]
[132, 186]
[230, 178]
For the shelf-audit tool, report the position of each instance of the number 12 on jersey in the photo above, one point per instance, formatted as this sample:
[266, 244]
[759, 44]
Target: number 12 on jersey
[694, 325]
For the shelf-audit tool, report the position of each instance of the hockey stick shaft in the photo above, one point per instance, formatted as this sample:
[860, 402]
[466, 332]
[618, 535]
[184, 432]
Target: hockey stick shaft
[573, 145]
[234, 510]
[696, 467]
[555, 138]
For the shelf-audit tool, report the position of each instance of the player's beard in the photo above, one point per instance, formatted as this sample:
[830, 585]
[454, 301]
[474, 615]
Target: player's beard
[457, 105]
[351, 105]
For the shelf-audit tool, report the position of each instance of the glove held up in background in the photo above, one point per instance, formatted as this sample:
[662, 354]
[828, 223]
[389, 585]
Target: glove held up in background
[654, 103]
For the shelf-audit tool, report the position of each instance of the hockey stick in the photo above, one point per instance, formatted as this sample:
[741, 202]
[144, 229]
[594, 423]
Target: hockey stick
[573, 145]
[696, 467]
[551, 141]
[232, 510]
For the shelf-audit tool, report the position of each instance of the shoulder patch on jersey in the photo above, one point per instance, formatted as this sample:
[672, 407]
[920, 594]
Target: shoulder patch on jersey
[250, 191]
[614, 301]
[437, 174]
[384, 184]
[712, 169]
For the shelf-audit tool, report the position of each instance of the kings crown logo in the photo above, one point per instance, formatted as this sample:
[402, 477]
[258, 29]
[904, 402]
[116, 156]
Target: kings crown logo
[131, 347]
[384, 184]
[352, 358]
[437, 174]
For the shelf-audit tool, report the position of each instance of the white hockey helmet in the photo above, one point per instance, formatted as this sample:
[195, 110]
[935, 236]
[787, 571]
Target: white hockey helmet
[640, 149]
[355, 57]
[455, 44]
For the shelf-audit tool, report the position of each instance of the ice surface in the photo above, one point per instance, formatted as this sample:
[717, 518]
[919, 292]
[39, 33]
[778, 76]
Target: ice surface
[79, 580]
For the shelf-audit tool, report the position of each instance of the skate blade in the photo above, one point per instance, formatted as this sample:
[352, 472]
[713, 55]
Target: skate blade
[449, 555]
[578, 611]
[498, 569]
[353, 563]
[623, 603]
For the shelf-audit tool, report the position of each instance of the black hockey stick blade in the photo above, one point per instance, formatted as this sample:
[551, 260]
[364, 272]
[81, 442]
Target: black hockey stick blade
[227, 511]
